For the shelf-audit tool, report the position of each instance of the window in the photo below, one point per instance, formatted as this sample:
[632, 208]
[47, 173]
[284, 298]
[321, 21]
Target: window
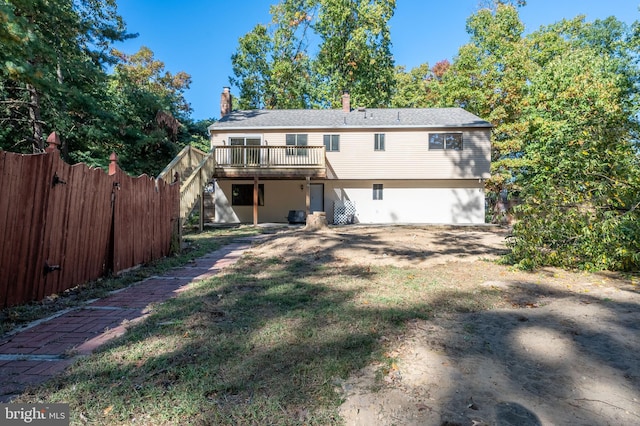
[378, 144]
[242, 194]
[296, 140]
[332, 142]
[245, 140]
[445, 141]
[377, 191]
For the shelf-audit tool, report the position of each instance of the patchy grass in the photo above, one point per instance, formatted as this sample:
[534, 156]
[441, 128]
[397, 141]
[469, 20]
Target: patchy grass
[267, 342]
[194, 245]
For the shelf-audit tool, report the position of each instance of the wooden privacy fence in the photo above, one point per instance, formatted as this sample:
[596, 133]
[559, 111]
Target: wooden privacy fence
[63, 225]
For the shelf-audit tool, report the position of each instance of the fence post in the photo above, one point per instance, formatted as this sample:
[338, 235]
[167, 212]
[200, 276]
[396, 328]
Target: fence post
[111, 255]
[113, 164]
[54, 143]
[177, 232]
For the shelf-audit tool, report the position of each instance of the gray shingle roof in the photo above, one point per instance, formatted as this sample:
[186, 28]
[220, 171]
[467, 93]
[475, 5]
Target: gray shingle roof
[358, 118]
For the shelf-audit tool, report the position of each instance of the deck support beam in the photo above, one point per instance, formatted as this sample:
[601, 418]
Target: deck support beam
[308, 196]
[255, 201]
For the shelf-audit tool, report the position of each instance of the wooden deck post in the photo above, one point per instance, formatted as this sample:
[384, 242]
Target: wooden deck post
[255, 201]
[201, 209]
[308, 196]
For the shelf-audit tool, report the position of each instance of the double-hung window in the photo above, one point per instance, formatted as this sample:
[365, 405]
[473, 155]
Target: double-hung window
[296, 140]
[450, 141]
[331, 142]
[378, 142]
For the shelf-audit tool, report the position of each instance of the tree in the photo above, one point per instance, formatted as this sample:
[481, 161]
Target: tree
[273, 69]
[493, 4]
[52, 68]
[355, 52]
[142, 118]
[251, 68]
[143, 71]
[53, 77]
[271, 65]
[418, 87]
[580, 180]
[290, 67]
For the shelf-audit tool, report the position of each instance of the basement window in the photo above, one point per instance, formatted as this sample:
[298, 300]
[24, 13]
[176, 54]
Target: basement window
[377, 191]
[450, 141]
[242, 194]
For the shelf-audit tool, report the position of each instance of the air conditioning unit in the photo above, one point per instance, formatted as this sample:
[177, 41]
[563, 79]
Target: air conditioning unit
[296, 216]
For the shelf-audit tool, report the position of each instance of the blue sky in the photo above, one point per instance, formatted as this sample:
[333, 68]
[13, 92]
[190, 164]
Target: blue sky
[199, 36]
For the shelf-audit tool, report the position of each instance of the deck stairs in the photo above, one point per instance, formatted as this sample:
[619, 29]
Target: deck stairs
[194, 169]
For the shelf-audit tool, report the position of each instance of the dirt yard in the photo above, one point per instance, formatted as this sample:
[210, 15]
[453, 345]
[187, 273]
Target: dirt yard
[562, 348]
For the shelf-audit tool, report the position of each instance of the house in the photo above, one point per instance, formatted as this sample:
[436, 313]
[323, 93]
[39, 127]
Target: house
[362, 165]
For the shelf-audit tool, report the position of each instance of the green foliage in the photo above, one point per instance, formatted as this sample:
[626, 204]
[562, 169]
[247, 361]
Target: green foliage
[355, 52]
[196, 133]
[563, 102]
[419, 88]
[273, 68]
[51, 70]
[53, 78]
[411, 87]
[251, 68]
[271, 65]
[581, 183]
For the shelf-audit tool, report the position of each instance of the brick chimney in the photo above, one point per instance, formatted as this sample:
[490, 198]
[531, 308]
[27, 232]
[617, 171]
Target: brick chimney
[225, 102]
[346, 101]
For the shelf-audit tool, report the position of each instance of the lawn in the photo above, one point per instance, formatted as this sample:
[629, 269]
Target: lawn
[267, 342]
[279, 337]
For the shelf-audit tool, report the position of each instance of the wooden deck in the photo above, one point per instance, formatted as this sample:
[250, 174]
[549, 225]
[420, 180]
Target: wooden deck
[274, 162]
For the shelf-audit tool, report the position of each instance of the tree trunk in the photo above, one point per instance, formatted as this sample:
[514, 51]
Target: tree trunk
[64, 148]
[34, 117]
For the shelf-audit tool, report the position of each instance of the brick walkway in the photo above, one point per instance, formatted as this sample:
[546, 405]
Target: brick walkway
[47, 347]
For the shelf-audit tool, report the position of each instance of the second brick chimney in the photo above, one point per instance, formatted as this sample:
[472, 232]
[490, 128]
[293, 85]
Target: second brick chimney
[346, 101]
[225, 102]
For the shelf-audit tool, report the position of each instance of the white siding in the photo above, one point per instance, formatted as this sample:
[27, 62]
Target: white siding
[404, 201]
[410, 201]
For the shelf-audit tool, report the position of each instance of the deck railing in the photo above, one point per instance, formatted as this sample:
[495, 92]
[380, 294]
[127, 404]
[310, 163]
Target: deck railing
[191, 189]
[269, 157]
[183, 164]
